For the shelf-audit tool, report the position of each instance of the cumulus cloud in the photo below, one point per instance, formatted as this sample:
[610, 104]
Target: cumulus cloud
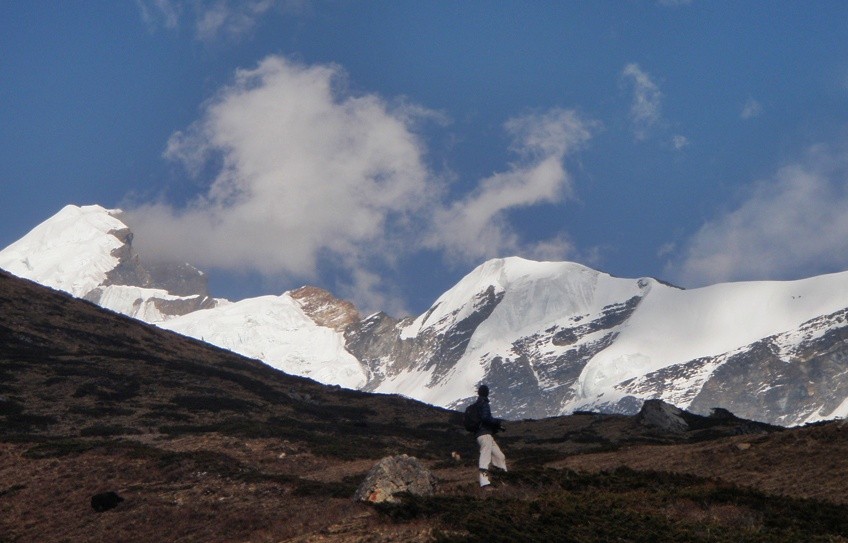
[645, 110]
[305, 169]
[306, 174]
[790, 226]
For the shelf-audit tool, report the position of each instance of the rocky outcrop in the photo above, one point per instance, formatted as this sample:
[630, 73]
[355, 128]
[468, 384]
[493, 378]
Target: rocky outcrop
[378, 343]
[658, 415]
[325, 309]
[768, 382]
[393, 475]
[162, 289]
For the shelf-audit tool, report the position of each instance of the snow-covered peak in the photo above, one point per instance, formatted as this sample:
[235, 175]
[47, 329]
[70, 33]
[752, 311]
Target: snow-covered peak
[534, 292]
[87, 251]
[71, 251]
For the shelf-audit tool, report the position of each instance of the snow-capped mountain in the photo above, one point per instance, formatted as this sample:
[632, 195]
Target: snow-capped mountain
[552, 338]
[87, 252]
[548, 337]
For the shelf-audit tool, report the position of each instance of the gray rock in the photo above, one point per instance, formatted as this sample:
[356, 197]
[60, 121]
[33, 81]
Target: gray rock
[662, 416]
[395, 474]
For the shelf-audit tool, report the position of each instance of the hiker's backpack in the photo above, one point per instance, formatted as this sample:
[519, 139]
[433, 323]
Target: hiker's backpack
[471, 419]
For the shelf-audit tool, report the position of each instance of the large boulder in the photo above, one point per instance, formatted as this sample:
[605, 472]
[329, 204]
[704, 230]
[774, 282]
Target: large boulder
[393, 475]
[659, 415]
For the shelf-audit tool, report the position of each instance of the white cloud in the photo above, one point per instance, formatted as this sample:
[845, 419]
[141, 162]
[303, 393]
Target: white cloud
[751, 109]
[666, 249]
[305, 170]
[790, 226]
[476, 227]
[679, 142]
[645, 110]
[307, 175]
[230, 19]
[213, 20]
[159, 12]
[554, 249]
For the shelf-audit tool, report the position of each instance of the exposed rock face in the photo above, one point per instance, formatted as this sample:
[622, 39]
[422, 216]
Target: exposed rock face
[178, 279]
[539, 361]
[151, 292]
[393, 475]
[379, 344]
[662, 416]
[325, 309]
[783, 379]
[141, 303]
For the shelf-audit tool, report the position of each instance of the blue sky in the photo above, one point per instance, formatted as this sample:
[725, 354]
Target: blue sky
[383, 149]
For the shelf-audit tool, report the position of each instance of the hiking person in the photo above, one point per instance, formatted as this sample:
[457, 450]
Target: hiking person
[490, 453]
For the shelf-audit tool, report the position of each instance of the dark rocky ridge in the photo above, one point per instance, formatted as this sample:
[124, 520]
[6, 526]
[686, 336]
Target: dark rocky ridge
[376, 342]
[178, 279]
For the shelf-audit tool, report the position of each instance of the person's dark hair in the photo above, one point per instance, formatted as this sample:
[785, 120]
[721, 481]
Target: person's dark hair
[483, 391]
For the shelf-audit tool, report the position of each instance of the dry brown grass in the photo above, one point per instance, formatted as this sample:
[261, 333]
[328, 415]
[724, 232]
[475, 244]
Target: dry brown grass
[807, 462]
[204, 445]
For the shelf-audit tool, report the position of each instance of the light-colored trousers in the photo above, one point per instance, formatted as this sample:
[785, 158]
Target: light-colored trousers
[490, 453]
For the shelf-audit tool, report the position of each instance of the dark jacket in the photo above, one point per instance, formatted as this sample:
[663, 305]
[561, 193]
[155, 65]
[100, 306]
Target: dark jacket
[488, 424]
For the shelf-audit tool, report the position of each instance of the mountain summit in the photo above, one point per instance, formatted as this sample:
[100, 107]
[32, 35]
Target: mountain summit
[550, 338]
[87, 252]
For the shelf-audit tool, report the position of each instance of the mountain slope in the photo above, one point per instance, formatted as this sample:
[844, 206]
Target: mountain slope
[549, 337]
[276, 330]
[552, 338]
[205, 445]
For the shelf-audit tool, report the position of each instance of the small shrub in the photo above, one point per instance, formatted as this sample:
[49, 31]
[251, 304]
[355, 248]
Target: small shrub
[622, 505]
[11, 490]
[27, 422]
[101, 411]
[214, 404]
[10, 408]
[106, 390]
[344, 489]
[107, 430]
[60, 448]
